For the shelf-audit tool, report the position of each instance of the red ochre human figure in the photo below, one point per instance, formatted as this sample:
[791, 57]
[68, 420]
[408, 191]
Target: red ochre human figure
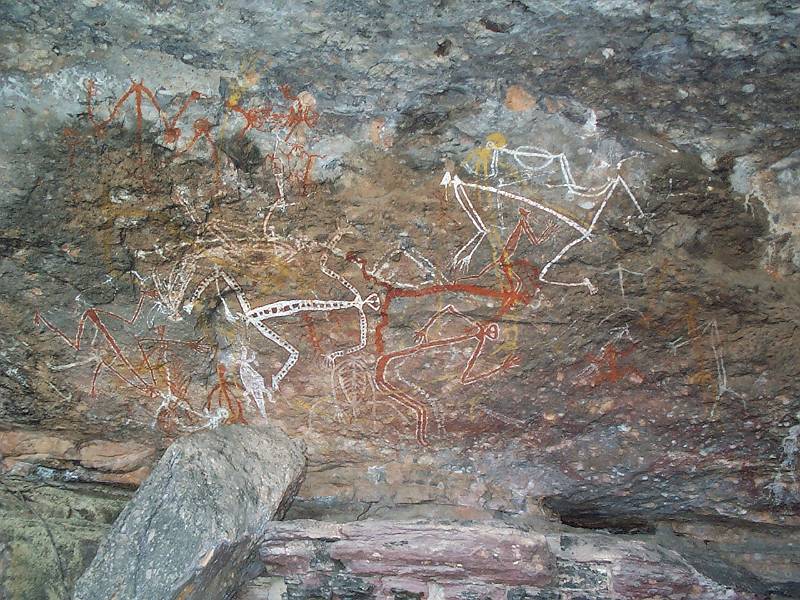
[606, 367]
[202, 129]
[302, 156]
[168, 415]
[173, 133]
[504, 262]
[168, 375]
[149, 369]
[118, 361]
[311, 331]
[293, 166]
[302, 111]
[224, 392]
[476, 332]
[254, 118]
[139, 91]
[519, 287]
[72, 141]
[517, 273]
[165, 371]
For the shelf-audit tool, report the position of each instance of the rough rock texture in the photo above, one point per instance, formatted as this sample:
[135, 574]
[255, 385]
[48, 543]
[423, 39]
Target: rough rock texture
[417, 559]
[554, 241]
[102, 461]
[49, 533]
[192, 527]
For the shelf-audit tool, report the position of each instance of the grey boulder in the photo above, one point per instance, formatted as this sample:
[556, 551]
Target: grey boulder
[192, 529]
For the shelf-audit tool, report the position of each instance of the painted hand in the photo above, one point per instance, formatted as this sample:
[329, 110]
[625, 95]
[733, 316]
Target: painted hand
[511, 361]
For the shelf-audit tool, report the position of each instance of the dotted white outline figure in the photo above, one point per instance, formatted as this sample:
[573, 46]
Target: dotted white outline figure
[284, 308]
[252, 380]
[464, 255]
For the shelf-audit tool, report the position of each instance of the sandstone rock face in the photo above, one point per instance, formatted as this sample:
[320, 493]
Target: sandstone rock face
[192, 527]
[49, 533]
[95, 460]
[407, 559]
[531, 259]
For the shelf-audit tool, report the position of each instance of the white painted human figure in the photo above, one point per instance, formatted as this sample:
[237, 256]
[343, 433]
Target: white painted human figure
[209, 420]
[171, 290]
[620, 272]
[603, 193]
[428, 272]
[711, 330]
[284, 308]
[252, 381]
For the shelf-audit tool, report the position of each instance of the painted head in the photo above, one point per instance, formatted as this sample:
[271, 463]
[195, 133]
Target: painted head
[373, 301]
[491, 331]
[496, 140]
[306, 101]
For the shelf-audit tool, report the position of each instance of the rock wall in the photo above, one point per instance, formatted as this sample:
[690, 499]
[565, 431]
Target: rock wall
[409, 559]
[485, 258]
[49, 533]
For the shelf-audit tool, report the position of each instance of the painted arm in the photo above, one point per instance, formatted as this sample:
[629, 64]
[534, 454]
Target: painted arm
[467, 377]
[421, 335]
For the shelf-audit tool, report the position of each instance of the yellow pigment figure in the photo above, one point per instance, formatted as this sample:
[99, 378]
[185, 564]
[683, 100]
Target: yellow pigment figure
[483, 161]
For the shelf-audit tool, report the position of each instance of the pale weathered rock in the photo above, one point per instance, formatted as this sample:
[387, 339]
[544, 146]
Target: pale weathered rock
[35, 446]
[114, 457]
[49, 533]
[131, 479]
[443, 553]
[95, 461]
[405, 559]
[193, 526]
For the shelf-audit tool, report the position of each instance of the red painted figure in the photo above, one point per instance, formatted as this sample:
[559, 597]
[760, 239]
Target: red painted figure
[139, 92]
[300, 112]
[254, 118]
[476, 332]
[118, 361]
[173, 133]
[518, 275]
[224, 391]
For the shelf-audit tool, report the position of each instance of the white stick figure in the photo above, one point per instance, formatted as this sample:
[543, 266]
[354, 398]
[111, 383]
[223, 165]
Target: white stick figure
[252, 381]
[463, 257]
[284, 308]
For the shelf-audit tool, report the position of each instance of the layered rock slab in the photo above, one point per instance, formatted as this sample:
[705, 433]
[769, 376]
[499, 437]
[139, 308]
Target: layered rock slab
[94, 460]
[49, 533]
[423, 559]
[194, 525]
